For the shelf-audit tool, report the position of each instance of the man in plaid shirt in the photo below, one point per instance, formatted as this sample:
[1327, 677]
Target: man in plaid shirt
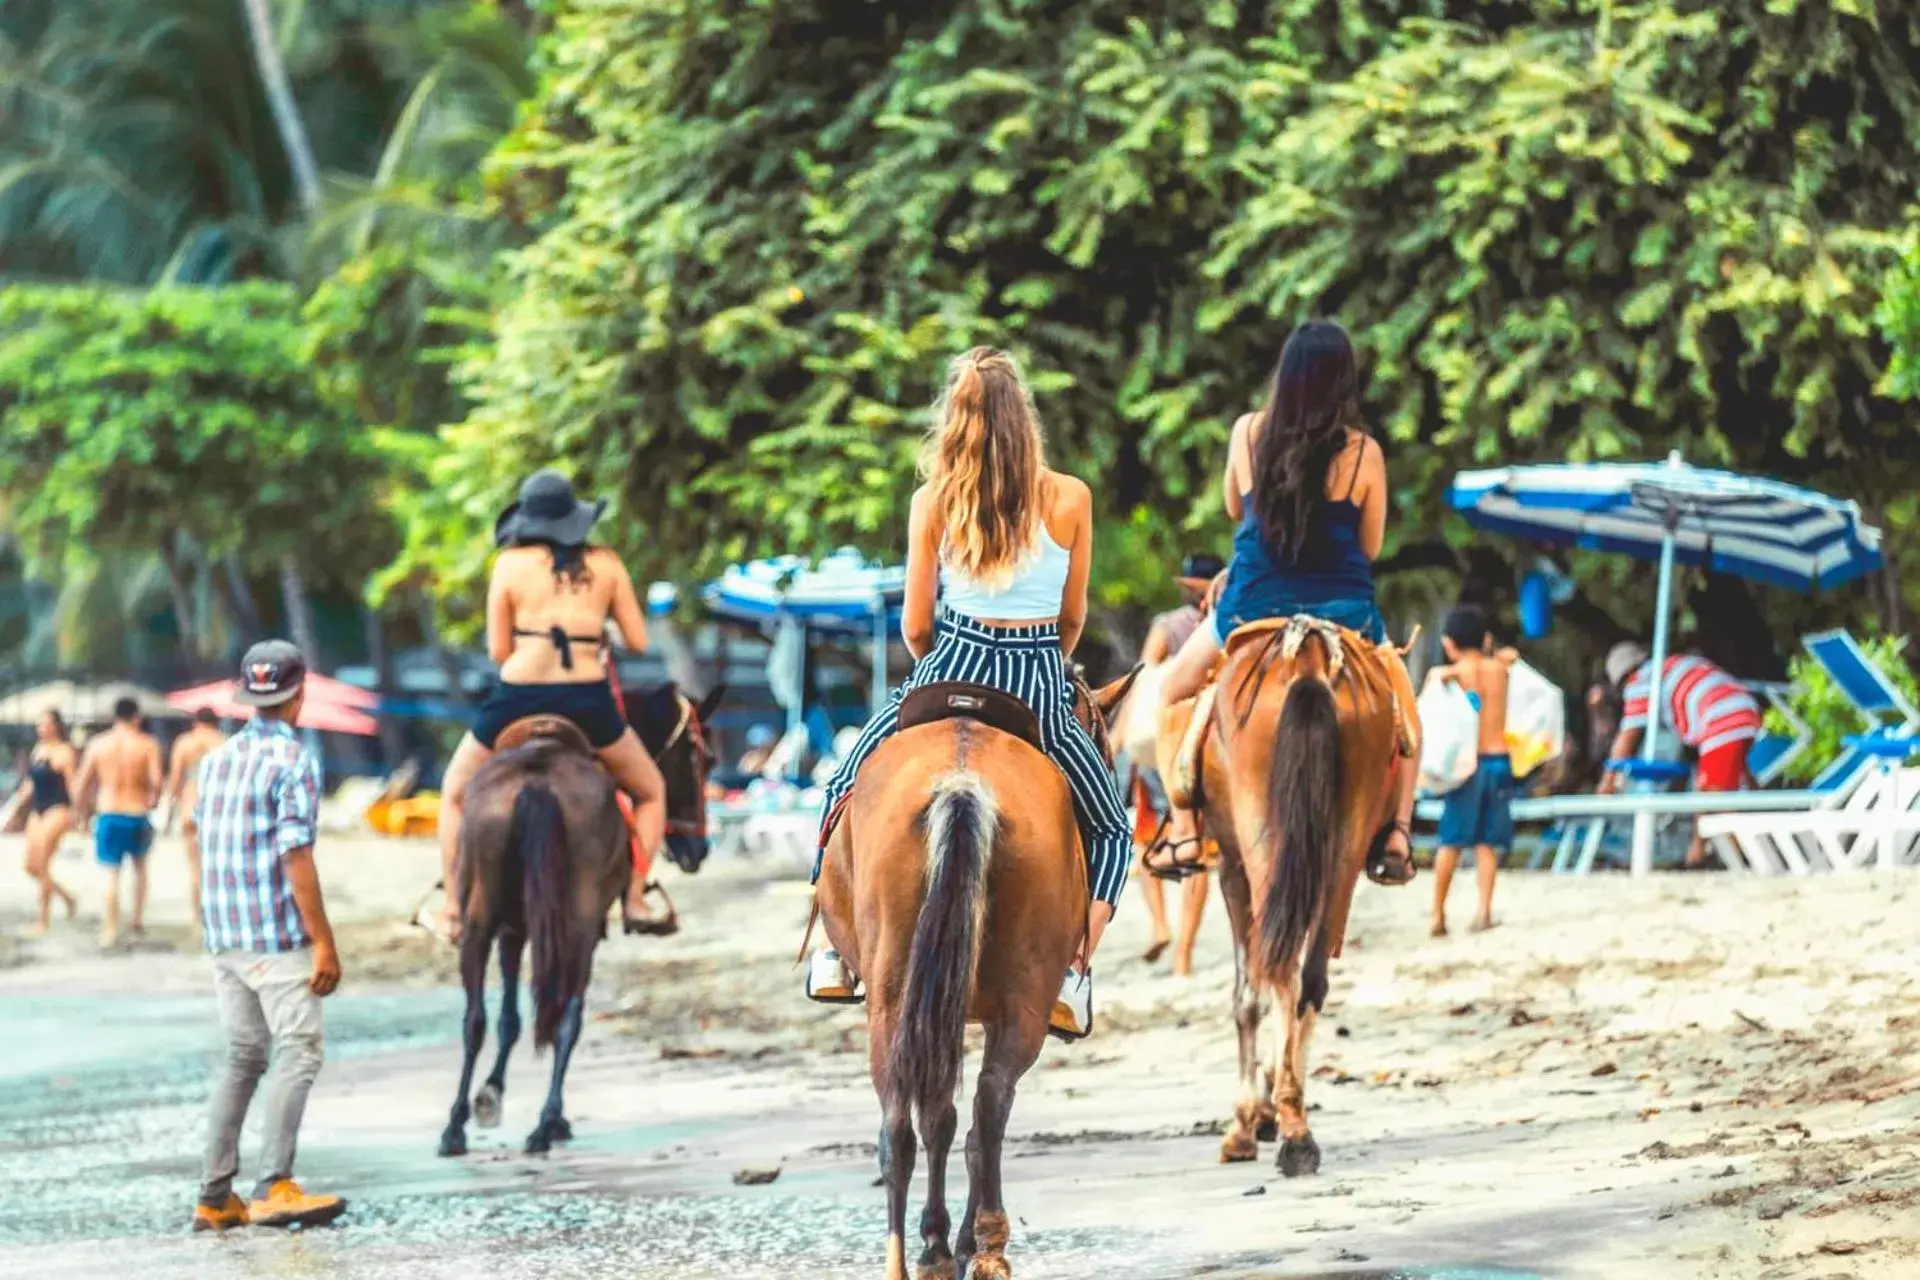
[266, 927]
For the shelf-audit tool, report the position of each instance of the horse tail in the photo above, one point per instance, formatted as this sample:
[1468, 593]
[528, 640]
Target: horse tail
[930, 1045]
[1304, 819]
[539, 842]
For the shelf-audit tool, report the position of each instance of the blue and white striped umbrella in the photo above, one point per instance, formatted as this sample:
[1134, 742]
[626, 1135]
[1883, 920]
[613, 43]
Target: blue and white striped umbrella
[1760, 530]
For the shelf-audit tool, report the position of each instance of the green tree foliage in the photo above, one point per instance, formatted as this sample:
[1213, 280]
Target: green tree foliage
[131, 420]
[1558, 229]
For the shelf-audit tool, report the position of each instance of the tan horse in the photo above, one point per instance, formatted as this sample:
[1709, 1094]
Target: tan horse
[1307, 722]
[955, 885]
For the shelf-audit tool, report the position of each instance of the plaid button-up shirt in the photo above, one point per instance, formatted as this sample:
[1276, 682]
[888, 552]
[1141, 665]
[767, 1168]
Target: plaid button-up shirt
[259, 794]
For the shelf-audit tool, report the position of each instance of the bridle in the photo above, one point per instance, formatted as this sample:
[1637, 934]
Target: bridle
[689, 729]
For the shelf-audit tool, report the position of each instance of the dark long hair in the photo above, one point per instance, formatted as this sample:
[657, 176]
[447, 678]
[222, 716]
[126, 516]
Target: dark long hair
[569, 559]
[1314, 399]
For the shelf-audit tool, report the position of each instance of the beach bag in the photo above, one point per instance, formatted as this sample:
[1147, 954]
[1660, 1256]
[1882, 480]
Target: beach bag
[1449, 736]
[1536, 719]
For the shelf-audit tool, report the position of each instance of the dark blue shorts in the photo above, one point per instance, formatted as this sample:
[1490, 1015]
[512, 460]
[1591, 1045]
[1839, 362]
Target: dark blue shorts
[1480, 810]
[119, 836]
[588, 703]
[1361, 616]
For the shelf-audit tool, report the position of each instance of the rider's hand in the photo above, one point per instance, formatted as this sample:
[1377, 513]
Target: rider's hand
[326, 969]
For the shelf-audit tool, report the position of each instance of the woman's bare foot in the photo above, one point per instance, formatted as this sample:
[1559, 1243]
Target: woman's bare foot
[1156, 948]
[73, 903]
[1439, 929]
[35, 930]
[1481, 924]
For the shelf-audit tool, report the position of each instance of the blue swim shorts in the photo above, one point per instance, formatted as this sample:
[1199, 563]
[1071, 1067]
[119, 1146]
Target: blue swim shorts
[1480, 810]
[119, 836]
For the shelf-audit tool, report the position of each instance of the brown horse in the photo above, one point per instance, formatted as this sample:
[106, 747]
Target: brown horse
[543, 857]
[1307, 724]
[955, 886]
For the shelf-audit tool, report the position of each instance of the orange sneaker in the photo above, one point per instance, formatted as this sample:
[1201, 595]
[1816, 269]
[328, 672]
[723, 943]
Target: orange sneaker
[231, 1214]
[286, 1205]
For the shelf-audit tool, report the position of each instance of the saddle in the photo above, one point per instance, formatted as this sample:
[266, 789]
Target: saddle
[961, 700]
[555, 729]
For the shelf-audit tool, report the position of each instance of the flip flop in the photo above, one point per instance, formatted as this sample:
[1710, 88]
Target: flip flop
[1172, 866]
[651, 926]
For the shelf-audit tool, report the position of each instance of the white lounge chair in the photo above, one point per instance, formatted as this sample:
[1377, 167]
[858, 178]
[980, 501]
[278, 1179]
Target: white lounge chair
[1842, 828]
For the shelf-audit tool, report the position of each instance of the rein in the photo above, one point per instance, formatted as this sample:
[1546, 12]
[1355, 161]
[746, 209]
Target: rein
[689, 729]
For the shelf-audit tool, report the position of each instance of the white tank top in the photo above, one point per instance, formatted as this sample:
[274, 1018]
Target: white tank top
[1033, 593]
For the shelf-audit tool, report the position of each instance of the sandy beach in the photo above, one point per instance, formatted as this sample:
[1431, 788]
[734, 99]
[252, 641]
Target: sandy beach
[1697, 1076]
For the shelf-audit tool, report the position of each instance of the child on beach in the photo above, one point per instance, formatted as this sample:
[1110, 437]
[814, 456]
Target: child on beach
[1479, 812]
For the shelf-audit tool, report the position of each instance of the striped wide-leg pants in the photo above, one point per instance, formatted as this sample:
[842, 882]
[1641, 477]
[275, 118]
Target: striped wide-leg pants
[1027, 663]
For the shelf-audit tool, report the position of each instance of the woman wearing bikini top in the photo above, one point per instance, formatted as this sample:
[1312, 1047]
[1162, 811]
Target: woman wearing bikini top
[548, 605]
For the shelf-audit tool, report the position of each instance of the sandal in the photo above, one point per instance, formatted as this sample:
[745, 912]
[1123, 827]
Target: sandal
[1163, 860]
[651, 926]
[1387, 866]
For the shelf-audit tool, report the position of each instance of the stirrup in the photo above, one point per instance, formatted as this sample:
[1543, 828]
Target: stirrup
[651, 926]
[1172, 866]
[830, 982]
[1386, 867]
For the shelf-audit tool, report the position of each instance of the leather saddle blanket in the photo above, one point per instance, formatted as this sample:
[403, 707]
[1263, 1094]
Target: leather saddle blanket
[960, 700]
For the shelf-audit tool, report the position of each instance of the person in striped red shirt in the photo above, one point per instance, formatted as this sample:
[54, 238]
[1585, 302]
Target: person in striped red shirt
[1711, 712]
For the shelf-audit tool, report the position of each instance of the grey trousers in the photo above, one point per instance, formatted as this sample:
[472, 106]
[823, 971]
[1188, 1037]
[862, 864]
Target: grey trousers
[268, 1012]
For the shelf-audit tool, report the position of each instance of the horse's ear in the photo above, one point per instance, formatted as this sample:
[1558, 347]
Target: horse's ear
[1108, 696]
[711, 703]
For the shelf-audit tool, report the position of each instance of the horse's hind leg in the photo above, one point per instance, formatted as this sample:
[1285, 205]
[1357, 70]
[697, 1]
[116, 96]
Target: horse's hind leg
[1299, 1153]
[896, 1131]
[1011, 1050]
[1242, 1140]
[486, 1103]
[553, 1126]
[473, 975]
[936, 1224]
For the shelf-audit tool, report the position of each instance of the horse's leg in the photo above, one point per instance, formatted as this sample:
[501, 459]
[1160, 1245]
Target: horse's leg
[473, 974]
[936, 1224]
[553, 1126]
[486, 1103]
[896, 1128]
[1298, 1152]
[1242, 1142]
[1011, 1050]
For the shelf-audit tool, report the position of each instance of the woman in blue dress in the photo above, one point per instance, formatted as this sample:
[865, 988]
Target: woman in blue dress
[1308, 485]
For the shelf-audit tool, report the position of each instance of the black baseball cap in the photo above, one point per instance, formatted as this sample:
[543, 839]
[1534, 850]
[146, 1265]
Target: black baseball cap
[270, 674]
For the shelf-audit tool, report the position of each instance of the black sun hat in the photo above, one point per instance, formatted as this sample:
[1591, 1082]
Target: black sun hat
[548, 512]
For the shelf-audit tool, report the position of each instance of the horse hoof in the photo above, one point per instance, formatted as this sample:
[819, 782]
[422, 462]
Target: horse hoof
[1238, 1148]
[1298, 1157]
[486, 1107]
[562, 1130]
[538, 1143]
[453, 1143]
[1267, 1130]
[937, 1269]
[994, 1268]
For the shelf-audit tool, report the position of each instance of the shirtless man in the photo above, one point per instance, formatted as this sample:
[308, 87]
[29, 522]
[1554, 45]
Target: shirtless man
[124, 762]
[183, 788]
[1479, 812]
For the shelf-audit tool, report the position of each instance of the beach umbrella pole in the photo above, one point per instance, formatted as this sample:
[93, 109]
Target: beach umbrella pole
[1650, 739]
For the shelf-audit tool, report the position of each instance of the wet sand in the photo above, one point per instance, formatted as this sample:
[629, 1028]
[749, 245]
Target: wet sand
[1693, 1077]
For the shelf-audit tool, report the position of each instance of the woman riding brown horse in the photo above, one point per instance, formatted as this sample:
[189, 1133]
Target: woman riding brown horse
[955, 886]
[543, 856]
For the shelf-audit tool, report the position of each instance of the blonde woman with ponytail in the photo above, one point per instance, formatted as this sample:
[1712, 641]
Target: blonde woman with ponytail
[999, 552]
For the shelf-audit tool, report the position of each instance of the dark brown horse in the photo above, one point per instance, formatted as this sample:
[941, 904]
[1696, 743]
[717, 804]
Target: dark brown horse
[543, 857]
[955, 886]
[1306, 723]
